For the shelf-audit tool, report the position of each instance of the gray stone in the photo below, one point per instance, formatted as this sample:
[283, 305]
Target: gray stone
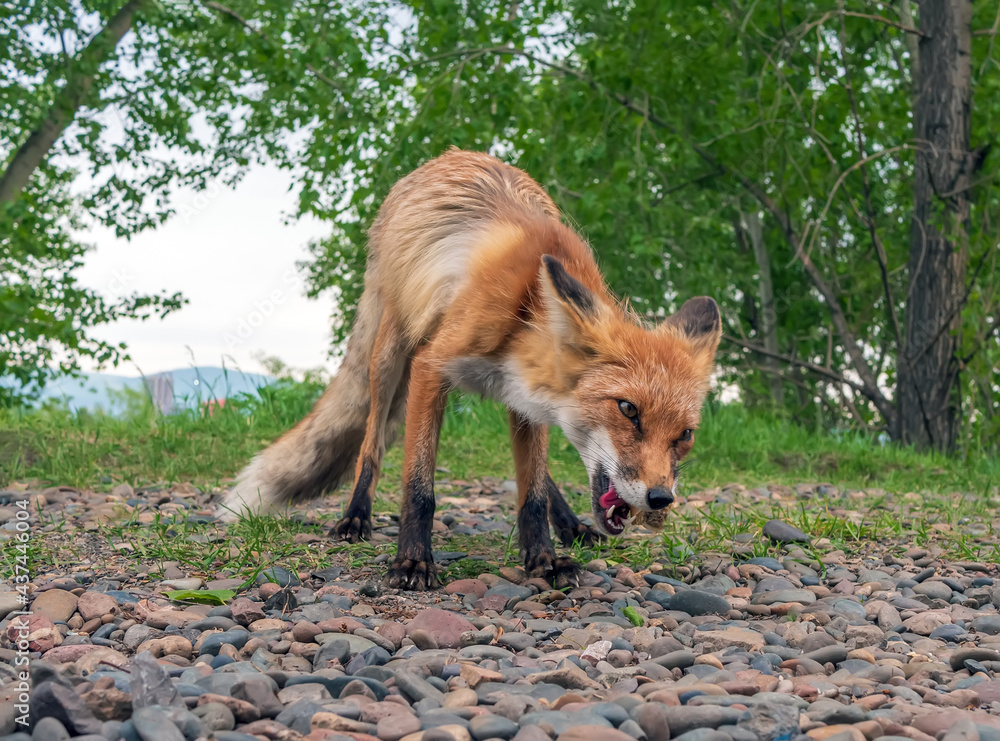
[298, 715]
[695, 603]
[831, 712]
[484, 727]
[771, 721]
[633, 729]
[961, 655]
[933, 590]
[215, 716]
[704, 734]
[152, 724]
[987, 625]
[715, 584]
[211, 644]
[784, 596]
[335, 685]
[258, 691]
[516, 641]
[782, 532]
[418, 688]
[832, 654]
[277, 575]
[688, 717]
[562, 721]
[49, 729]
[52, 700]
[767, 562]
[773, 584]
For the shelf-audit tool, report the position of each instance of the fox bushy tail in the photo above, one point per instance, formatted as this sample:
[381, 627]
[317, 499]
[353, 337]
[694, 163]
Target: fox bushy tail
[318, 453]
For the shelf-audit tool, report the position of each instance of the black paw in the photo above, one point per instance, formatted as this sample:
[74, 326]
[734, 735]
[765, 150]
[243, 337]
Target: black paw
[571, 533]
[353, 527]
[413, 574]
[559, 571]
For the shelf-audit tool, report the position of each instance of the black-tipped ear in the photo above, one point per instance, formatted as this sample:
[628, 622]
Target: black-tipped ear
[698, 316]
[699, 321]
[568, 289]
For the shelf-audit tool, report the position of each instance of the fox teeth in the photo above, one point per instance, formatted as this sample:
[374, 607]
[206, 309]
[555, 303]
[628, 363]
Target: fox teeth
[611, 511]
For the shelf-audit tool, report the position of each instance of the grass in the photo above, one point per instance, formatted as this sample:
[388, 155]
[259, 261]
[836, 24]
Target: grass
[207, 449]
[910, 499]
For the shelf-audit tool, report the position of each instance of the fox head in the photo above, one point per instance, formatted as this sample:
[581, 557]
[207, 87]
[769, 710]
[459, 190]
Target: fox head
[632, 395]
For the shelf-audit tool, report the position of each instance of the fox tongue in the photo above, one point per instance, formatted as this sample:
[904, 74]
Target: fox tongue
[611, 499]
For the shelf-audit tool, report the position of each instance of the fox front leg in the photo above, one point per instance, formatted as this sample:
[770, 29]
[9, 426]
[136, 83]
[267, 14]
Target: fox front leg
[414, 565]
[530, 442]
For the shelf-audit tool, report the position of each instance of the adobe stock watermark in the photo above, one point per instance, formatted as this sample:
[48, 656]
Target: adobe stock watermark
[263, 310]
[19, 626]
[202, 200]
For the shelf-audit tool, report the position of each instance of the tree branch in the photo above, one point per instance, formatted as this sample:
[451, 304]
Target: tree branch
[68, 99]
[866, 187]
[817, 369]
[886, 21]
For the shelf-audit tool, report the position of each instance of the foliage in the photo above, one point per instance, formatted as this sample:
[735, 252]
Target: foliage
[659, 127]
[46, 315]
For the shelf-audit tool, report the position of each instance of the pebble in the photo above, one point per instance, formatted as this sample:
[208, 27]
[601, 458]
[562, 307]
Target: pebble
[696, 603]
[782, 532]
[865, 646]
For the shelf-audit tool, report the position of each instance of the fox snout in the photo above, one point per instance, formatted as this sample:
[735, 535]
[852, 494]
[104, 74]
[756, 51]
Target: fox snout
[659, 497]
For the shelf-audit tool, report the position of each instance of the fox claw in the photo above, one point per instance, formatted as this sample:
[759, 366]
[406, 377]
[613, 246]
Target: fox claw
[353, 529]
[559, 571]
[413, 574]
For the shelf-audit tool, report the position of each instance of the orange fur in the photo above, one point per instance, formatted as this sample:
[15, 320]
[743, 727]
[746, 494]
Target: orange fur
[473, 282]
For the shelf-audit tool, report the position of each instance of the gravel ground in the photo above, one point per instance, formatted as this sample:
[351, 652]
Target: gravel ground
[890, 644]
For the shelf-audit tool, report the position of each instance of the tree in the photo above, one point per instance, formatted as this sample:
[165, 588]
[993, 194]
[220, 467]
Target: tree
[774, 155]
[930, 363]
[660, 126]
[45, 314]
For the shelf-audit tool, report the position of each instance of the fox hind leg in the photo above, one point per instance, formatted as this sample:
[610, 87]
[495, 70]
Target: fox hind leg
[530, 442]
[565, 522]
[386, 371]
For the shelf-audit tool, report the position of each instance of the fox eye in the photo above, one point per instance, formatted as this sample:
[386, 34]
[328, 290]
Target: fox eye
[629, 410]
[685, 436]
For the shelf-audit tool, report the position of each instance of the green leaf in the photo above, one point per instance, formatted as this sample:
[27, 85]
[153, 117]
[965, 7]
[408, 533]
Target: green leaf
[202, 596]
[633, 616]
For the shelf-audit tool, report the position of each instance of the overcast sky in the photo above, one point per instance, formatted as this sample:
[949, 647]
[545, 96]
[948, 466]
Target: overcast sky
[231, 253]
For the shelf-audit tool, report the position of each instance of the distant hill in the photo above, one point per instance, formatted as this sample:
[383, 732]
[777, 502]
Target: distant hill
[183, 388]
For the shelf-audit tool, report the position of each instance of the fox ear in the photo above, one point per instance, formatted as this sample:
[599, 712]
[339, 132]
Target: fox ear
[699, 322]
[571, 305]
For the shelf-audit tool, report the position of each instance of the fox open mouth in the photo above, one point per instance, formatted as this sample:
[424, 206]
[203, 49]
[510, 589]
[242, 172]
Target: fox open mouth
[610, 510]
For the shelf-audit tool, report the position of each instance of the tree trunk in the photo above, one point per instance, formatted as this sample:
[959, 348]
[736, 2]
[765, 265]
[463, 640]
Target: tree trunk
[68, 99]
[928, 395]
[768, 322]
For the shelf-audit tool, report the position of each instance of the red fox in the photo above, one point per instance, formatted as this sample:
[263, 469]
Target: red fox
[473, 282]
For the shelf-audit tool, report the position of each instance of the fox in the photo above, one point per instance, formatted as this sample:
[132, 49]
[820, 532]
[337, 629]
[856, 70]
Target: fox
[474, 282]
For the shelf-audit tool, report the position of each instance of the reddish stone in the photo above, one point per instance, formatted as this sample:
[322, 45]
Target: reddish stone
[393, 632]
[445, 627]
[95, 605]
[467, 586]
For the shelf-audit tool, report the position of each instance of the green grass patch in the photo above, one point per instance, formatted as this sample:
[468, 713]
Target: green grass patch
[208, 448]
